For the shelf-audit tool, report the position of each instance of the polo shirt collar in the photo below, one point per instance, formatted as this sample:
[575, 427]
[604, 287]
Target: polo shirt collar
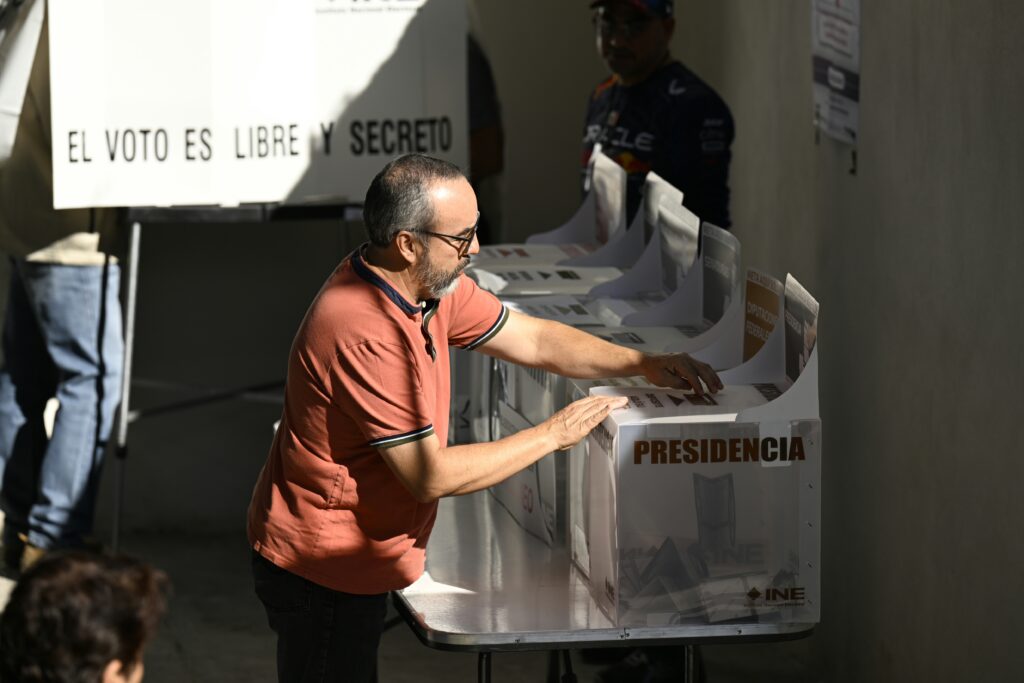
[364, 271]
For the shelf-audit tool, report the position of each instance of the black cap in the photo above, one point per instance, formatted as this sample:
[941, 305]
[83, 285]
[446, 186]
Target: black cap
[657, 8]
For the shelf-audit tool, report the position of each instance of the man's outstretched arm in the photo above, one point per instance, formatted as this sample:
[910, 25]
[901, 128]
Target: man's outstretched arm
[430, 471]
[570, 352]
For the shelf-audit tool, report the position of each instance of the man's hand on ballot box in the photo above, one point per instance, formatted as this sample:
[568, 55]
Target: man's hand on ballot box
[571, 424]
[679, 371]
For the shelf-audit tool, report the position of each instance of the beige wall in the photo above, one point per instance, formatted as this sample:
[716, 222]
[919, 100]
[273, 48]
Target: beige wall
[545, 65]
[915, 262]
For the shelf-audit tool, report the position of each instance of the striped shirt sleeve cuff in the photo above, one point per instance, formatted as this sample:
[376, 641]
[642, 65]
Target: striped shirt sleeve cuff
[494, 329]
[399, 439]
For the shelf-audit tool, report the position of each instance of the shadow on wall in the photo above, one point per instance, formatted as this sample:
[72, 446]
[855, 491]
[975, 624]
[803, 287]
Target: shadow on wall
[357, 143]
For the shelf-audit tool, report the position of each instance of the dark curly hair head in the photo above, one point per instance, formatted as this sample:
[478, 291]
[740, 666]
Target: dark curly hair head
[73, 613]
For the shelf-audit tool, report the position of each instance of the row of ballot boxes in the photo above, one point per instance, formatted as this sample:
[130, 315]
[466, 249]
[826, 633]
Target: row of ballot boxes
[678, 508]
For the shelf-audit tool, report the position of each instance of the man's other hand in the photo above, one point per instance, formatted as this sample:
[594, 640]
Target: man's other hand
[571, 424]
[679, 371]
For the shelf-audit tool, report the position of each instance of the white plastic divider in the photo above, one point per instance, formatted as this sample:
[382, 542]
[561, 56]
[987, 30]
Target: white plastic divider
[642, 277]
[675, 237]
[726, 344]
[799, 401]
[688, 304]
[625, 248]
[621, 251]
[771, 365]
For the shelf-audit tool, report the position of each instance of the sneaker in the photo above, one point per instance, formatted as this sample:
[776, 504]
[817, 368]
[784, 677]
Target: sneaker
[30, 554]
[19, 554]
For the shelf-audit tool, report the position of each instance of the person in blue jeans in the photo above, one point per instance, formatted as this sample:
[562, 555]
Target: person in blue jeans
[61, 339]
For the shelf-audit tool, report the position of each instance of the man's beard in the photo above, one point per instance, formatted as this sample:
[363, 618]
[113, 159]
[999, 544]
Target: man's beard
[436, 282]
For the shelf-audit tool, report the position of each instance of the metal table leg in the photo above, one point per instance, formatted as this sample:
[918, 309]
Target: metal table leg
[483, 667]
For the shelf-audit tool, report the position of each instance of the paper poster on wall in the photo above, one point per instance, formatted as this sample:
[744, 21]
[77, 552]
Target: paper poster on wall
[237, 101]
[835, 48]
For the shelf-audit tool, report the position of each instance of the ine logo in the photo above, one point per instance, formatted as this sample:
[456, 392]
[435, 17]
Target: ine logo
[791, 596]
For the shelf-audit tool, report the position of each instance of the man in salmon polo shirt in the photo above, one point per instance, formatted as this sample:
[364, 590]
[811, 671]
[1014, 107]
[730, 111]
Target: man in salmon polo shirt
[344, 506]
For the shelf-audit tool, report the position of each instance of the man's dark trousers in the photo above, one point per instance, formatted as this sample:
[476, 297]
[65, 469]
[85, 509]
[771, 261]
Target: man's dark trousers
[323, 636]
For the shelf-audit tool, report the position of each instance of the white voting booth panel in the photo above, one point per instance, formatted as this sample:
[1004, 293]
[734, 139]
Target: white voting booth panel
[624, 248]
[668, 257]
[578, 237]
[580, 248]
[735, 339]
[698, 325]
[235, 101]
[707, 509]
[665, 289]
[720, 345]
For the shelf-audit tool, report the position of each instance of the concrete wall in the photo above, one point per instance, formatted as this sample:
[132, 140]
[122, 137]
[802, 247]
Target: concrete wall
[545, 64]
[915, 262]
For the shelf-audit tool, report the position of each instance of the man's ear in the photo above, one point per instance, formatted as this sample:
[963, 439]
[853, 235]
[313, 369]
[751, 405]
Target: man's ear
[409, 248]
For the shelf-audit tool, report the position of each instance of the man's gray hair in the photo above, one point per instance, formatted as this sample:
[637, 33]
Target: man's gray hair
[398, 198]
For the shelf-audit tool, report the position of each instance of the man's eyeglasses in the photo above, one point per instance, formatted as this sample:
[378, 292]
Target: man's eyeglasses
[464, 243]
[626, 29]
